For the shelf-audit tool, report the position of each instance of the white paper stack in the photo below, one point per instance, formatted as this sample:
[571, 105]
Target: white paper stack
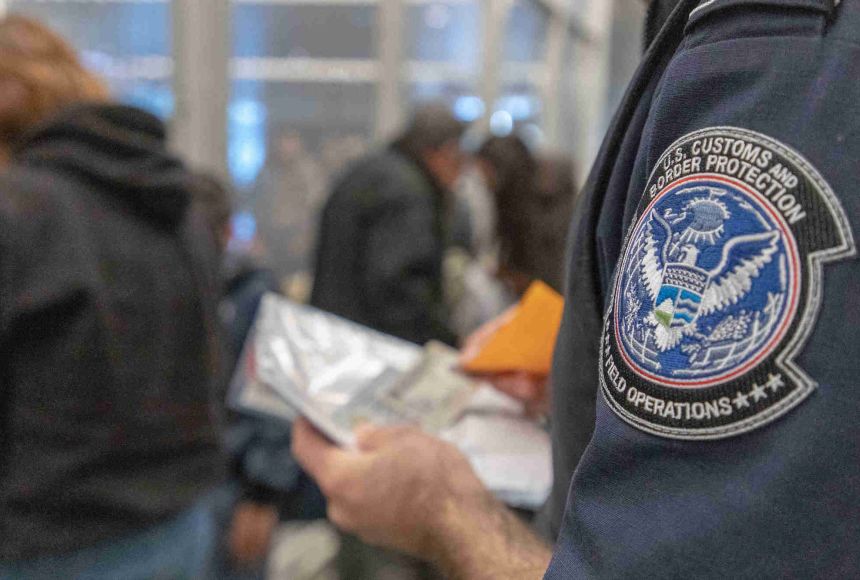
[302, 361]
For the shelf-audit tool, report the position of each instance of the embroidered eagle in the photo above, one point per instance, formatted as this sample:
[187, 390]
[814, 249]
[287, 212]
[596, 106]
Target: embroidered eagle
[682, 291]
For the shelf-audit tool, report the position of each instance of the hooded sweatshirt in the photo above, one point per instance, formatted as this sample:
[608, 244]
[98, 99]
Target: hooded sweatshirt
[108, 356]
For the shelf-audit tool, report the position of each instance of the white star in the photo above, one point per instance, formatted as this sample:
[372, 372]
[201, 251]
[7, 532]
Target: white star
[741, 400]
[758, 393]
[775, 382]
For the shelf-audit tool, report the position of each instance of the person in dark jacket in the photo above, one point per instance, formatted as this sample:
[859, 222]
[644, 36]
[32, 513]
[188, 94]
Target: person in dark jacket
[108, 347]
[384, 231]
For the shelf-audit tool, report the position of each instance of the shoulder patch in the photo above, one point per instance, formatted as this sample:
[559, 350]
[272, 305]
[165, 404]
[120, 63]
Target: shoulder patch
[719, 287]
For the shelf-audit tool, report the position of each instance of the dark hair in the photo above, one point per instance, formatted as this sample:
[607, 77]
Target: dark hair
[534, 202]
[432, 126]
[511, 160]
[513, 168]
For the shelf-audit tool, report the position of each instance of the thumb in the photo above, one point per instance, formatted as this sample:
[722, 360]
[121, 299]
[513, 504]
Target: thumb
[312, 450]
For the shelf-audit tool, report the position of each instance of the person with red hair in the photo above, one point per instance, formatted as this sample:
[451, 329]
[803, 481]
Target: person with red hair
[108, 354]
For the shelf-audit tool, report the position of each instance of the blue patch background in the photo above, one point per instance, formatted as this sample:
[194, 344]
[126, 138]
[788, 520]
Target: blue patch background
[724, 339]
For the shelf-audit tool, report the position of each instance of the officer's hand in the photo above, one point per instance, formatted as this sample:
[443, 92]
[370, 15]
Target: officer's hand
[398, 490]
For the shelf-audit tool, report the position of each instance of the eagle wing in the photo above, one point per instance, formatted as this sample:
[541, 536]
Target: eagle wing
[654, 259]
[742, 260]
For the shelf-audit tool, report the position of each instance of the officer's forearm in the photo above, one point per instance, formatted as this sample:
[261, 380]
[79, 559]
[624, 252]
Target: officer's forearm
[483, 540]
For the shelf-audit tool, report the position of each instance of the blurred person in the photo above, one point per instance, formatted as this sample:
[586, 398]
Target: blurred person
[529, 202]
[339, 152]
[383, 236]
[501, 175]
[267, 486]
[385, 229]
[509, 170]
[108, 345]
[245, 277]
[473, 191]
[288, 199]
[710, 301]
[533, 227]
[534, 201]
[533, 198]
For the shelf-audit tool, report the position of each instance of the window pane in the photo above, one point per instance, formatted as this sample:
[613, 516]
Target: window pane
[578, 8]
[520, 102]
[308, 30]
[127, 43]
[287, 141]
[443, 47]
[567, 134]
[318, 113]
[459, 95]
[303, 105]
[526, 31]
[442, 31]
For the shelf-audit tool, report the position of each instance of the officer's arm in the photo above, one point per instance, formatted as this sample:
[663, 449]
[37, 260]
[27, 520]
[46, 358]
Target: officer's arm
[485, 540]
[406, 490]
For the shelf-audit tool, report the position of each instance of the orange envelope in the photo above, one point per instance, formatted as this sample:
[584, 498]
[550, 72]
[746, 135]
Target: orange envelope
[525, 339]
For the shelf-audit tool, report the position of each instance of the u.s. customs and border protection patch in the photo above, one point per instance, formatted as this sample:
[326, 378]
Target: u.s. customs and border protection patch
[719, 287]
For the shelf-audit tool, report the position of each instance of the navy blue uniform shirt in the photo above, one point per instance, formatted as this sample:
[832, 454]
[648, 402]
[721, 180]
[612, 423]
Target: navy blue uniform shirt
[716, 237]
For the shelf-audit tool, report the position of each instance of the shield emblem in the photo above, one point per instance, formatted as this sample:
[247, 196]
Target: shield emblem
[680, 296]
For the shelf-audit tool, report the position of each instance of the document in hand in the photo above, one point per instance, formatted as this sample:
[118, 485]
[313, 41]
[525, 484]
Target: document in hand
[524, 338]
[302, 361]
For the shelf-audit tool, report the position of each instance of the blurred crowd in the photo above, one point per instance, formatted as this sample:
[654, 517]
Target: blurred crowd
[126, 296]
[500, 194]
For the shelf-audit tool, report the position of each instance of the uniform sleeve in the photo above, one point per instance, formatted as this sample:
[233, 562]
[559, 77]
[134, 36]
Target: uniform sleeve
[725, 435]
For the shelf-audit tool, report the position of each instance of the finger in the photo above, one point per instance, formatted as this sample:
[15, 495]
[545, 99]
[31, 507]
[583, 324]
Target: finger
[476, 341]
[371, 437]
[314, 452]
[516, 385]
[530, 386]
